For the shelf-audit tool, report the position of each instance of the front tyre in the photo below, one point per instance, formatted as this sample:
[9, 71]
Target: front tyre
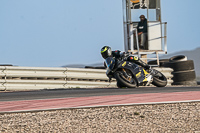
[120, 85]
[125, 79]
[159, 79]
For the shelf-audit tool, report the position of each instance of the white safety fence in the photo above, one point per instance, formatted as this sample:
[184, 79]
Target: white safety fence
[31, 78]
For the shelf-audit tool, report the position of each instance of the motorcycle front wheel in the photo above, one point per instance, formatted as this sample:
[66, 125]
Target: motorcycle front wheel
[125, 79]
[159, 79]
[119, 85]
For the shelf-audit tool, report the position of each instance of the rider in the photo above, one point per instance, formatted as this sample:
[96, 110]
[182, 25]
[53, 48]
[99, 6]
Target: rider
[107, 52]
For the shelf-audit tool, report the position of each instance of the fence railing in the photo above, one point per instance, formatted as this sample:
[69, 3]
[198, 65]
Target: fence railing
[31, 78]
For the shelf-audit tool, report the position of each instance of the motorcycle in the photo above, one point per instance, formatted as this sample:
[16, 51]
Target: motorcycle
[130, 75]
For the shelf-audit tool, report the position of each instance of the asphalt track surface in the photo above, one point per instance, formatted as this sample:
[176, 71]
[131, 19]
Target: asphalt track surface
[83, 98]
[81, 92]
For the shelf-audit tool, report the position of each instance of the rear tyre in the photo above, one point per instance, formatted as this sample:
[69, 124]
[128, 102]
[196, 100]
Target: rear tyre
[159, 79]
[125, 81]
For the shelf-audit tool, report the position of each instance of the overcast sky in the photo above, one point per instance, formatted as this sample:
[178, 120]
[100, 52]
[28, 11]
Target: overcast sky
[53, 33]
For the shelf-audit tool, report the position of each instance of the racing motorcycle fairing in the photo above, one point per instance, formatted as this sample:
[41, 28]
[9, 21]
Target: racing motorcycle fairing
[110, 63]
[138, 72]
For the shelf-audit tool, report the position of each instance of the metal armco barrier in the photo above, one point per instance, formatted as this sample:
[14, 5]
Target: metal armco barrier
[31, 78]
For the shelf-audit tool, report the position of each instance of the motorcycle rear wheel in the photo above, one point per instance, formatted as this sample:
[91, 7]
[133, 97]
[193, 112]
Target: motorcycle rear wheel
[159, 79]
[125, 82]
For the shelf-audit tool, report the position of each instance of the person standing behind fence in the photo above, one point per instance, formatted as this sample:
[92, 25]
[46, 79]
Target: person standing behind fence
[142, 31]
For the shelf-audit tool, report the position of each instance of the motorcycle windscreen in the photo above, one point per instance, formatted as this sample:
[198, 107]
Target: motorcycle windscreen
[110, 63]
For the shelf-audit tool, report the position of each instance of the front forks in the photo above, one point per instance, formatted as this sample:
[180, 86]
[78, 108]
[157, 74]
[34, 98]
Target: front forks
[149, 80]
[126, 76]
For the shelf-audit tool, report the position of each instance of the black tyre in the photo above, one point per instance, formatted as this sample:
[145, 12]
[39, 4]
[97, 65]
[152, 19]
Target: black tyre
[119, 85]
[178, 58]
[184, 76]
[125, 81]
[161, 61]
[181, 65]
[159, 79]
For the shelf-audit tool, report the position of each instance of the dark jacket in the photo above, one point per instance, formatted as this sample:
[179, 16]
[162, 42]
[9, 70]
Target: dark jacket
[116, 53]
[142, 26]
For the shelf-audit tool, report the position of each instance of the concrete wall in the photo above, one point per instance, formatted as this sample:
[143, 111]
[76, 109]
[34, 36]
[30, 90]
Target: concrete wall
[174, 117]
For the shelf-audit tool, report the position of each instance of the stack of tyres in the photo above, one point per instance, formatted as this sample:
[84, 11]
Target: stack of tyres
[184, 73]
[161, 61]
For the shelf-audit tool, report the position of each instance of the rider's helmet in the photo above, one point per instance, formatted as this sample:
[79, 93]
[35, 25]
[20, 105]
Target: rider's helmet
[106, 52]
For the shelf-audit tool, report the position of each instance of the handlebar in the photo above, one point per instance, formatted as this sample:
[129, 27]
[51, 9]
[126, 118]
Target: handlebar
[125, 55]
